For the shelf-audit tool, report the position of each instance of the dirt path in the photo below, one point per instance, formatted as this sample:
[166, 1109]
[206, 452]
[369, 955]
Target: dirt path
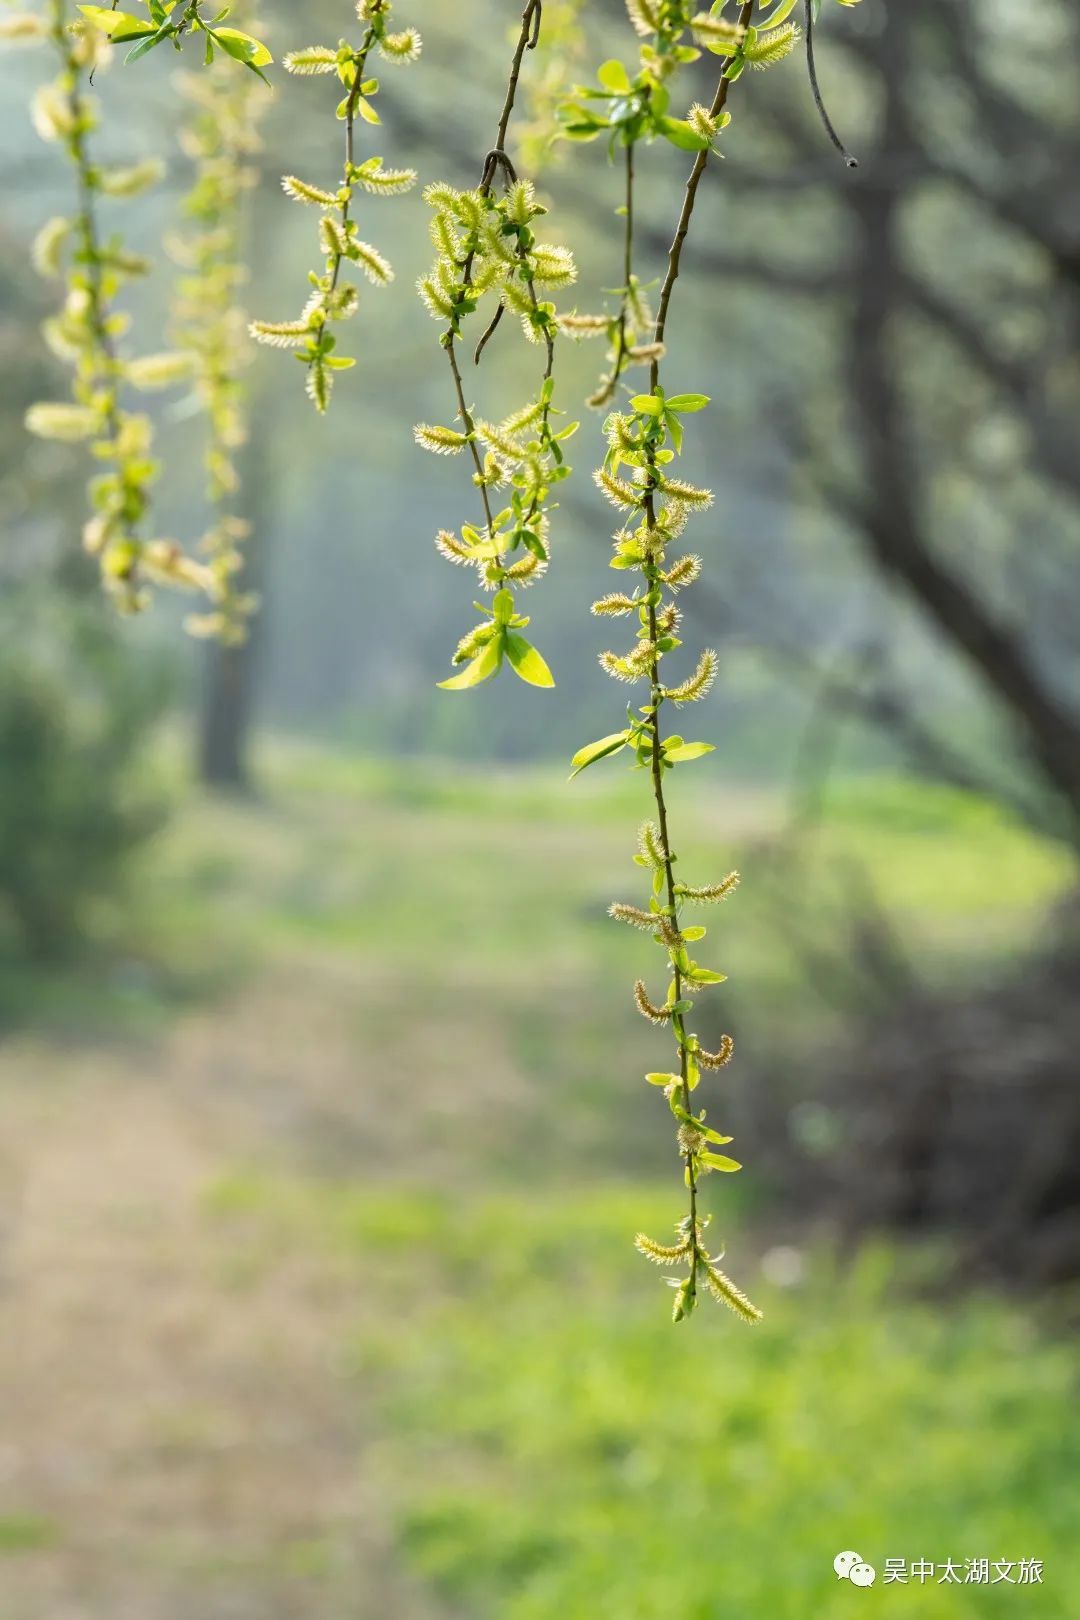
[179, 1440]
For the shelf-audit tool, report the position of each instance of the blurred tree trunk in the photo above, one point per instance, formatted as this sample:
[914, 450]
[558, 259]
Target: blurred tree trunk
[230, 674]
[226, 710]
[889, 513]
[918, 56]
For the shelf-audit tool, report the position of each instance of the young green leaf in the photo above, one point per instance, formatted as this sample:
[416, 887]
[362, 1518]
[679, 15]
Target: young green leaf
[683, 135]
[687, 751]
[613, 76]
[526, 661]
[242, 47]
[480, 669]
[720, 1161]
[598, 750]
[119, 25]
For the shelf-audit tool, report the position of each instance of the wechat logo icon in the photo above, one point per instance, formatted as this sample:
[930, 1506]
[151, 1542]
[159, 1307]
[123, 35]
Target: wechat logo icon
[849, 1566]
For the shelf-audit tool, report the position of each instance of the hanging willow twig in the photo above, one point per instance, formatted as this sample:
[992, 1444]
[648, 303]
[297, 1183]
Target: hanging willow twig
[220, 135]
[811, 9]
[87, 331]
[333, 300]
[644, 441]
[486, 245]
[173, 22]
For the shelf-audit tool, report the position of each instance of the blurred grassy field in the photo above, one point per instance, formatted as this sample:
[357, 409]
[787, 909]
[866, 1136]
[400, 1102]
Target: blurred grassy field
[334, 1146]
[473, 877]
[552, 1446]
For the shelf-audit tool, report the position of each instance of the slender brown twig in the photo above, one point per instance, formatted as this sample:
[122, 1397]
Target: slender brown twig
[819, 102]
[656, 691]
[495, 158]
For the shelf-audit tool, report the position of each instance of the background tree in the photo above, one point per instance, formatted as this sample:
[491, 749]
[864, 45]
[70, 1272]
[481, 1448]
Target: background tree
[939, 441]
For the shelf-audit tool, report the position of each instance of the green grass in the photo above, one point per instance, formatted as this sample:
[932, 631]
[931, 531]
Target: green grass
[546, 1442]
[475, 901]
[462, 874]
[552, 1445]
[941, 853]
[26, 1533]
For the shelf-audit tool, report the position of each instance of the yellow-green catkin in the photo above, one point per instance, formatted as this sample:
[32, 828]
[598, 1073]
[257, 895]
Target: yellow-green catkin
[220, 136]
[88, 330]
[335, 298]
[490, 263]
[645, 435]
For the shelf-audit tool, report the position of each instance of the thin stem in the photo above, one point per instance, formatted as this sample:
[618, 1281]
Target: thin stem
[719, 101]
[86, 219]
[527, 41]
[628, 233]
[222, 136]
[496, 157]
[104, 361]
[470, 428]
[656, 691]
[360, 62]
[489, 332]
[656, 700]
[819, 103]
[628, 272]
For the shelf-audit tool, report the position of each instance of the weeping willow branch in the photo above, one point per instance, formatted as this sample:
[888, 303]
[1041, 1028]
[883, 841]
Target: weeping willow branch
[631, 109]
[86, 331]
[625, 329]
[221, 137]
[171, 22]
[312, 335]
[486, 248]
[486, 244]
[643, 442]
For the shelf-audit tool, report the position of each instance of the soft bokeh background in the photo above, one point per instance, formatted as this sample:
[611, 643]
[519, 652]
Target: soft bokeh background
[323, 1139]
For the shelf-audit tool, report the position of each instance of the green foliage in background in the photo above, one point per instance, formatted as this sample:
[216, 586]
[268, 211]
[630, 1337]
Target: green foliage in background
[76, 715]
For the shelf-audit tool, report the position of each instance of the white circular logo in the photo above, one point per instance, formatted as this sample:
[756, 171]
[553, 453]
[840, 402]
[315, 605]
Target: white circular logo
[850, 1566]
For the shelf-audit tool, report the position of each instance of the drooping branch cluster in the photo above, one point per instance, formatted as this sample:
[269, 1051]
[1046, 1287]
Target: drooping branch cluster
[220, 135]
[88, 330]
[639, 477]
[635, 107]
[655, 507]
[631, 108]
[174, 21]
[488, 254]
[333, 299]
